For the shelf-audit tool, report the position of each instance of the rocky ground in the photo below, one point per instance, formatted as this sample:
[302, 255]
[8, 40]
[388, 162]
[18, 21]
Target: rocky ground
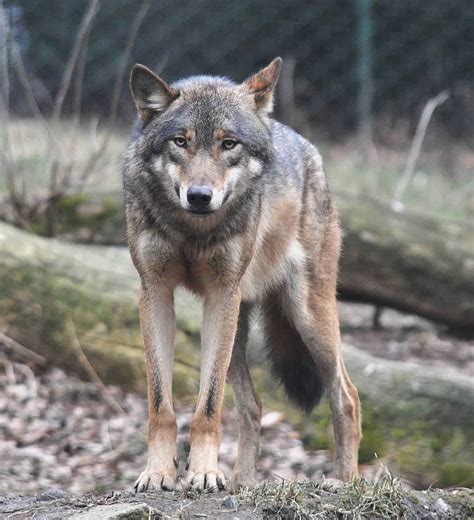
[286, 500]
[62, 433]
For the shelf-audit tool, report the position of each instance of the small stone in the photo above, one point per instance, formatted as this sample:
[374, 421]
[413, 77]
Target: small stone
[271, 419]
[51, 494]
[116, 512]
[230, 503]
[442, 506]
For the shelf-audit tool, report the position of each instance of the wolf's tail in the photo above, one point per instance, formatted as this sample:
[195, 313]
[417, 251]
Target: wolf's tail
[290, 359]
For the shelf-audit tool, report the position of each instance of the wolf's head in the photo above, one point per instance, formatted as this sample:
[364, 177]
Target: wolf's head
[205, 137]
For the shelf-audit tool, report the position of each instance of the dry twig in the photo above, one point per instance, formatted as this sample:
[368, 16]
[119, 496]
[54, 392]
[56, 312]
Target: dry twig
[100, 149]
[86, 364]
[79, 40]
[415, 150]
[132, 35]
[20, 349]
[5, 98]
[19, 66]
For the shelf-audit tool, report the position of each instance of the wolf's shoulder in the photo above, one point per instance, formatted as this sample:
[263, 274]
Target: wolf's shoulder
[294, 154]
[288, 141]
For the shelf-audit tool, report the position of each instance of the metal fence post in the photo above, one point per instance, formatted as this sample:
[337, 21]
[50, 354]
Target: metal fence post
[365, 76]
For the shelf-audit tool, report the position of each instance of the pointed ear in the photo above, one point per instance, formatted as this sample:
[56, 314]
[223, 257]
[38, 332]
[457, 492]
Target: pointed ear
[262, 84]
[151, 94]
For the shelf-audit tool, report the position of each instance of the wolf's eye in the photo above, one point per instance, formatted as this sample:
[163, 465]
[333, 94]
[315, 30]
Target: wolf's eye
[180, 141]
[229, 144]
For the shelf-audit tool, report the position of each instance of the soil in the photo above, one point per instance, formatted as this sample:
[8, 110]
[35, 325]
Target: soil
[304, 500]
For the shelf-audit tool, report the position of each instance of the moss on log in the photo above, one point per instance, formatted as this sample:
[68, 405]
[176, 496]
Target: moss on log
[422, 419]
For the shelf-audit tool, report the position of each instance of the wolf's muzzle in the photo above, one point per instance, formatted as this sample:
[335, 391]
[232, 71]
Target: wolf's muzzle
[199, 197]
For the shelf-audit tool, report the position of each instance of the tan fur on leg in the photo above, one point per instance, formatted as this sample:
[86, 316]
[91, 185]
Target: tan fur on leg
[311, 304]
[345, 407]
[158, 327]
[248, 405]
[221, 308]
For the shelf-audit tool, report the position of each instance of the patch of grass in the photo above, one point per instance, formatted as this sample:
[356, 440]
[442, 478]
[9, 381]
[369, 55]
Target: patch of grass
[309, 499]
[31, 149]
[386, 498]
[285, 492]
[383, 499]
[277, 499]
[430, 190]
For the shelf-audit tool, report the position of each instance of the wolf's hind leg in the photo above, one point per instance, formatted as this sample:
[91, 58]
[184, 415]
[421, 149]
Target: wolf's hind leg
[320, 330]
[157, 321]
[248, 405]
[345, 407]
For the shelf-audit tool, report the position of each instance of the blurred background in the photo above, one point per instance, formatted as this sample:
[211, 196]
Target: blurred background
[384, 89]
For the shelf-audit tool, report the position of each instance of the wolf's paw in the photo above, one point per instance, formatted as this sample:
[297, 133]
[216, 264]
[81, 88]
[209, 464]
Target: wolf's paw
[205, 481]
[240, 480]
[150, 480]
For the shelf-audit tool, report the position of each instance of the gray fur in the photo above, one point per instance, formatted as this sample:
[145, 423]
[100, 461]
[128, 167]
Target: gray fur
[268, 238]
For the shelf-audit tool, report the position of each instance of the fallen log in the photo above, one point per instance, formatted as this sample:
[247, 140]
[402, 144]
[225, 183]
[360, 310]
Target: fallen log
[46, 284]
[413, 263]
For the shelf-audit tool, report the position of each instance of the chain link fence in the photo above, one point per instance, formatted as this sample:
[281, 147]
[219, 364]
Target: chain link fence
[350, 64]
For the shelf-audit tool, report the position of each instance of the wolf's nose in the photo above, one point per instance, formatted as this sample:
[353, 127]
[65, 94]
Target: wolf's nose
[199, 196]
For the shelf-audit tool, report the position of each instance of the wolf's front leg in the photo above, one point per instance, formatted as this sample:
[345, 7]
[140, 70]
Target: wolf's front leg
[221, 311]
[157, 321]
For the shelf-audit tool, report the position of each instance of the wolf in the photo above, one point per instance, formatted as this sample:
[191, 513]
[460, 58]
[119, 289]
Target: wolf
[224, 200]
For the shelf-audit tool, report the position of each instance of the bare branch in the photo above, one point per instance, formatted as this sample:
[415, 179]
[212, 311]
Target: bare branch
[20, 349]
[109, 398]
[67, 170]
[79, 40]
[5, 98]
[91, 164]
[79, 80]
[132, 35]
[286, 89]
[18, 64]
[417, 143]
[4, 77]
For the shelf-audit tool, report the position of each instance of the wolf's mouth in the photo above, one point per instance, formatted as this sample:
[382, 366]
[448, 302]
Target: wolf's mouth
[202, 212]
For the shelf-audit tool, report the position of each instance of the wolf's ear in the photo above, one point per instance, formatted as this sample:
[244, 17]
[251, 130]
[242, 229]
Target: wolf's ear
[151, 94]
[262, 84]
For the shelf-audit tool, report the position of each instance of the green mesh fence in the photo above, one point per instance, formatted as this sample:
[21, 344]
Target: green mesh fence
[350, 62]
